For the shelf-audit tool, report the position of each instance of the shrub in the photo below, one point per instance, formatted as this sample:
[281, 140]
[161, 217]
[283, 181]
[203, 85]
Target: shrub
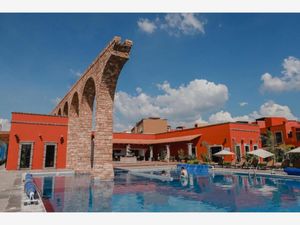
[181, 154]
[193, 161]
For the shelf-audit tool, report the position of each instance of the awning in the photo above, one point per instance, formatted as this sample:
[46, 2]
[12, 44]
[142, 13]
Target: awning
[261, 153]
[155, 141]
[295, 150]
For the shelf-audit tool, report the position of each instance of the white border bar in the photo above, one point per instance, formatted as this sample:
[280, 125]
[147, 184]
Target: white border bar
[149, 6]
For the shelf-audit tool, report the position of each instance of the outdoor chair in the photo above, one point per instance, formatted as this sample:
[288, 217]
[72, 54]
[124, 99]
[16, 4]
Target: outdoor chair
[253, 163]
[285, 163]
[241, 164]
[233, 164]
[270, 164]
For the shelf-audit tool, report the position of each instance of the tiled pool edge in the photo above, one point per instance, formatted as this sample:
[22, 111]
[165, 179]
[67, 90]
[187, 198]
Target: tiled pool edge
[257, 172]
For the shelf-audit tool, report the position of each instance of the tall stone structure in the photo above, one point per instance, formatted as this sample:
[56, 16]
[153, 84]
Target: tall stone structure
[96, 86]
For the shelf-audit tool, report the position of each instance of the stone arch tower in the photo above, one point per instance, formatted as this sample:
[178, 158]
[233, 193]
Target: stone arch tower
[96, 86]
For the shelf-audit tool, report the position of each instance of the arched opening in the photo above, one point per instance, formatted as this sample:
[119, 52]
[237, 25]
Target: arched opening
[59, 112]
[74, 109]
[88, 111]
[89, 92]
[66, 109]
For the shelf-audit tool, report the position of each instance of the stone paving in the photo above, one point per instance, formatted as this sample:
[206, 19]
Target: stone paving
[12, 195]
[10, 190]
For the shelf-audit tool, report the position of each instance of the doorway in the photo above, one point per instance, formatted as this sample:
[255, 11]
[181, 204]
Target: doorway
[25, 155]
[238, 153]
[50, 150]
[214, 150]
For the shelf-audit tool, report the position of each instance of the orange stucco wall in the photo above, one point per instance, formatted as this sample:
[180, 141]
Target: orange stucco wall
[284, 126]
[37, 129]
[226, 135]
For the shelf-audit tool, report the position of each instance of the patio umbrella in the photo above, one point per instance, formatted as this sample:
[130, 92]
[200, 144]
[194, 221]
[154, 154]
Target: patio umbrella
[295, 150]
[261, 153]
[223, 153]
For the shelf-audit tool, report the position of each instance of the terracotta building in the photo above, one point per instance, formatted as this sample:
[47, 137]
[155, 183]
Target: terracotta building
[198, 142]
[37, 141]
[284, 131]
[151, 125]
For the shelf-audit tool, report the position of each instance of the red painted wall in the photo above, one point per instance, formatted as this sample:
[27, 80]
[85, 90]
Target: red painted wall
[38, 129]
[284, 126]
[226, 135]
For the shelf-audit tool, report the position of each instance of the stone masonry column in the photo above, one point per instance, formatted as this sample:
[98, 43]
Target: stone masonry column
[168, 152]
[105, 92]
[151, 153]
[190, 147]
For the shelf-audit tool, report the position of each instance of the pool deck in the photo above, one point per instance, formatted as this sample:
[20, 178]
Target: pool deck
[10, 190]
[144, 165]
[12, 195]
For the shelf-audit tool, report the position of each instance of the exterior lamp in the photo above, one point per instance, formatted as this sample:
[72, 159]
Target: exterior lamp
[62, 140]
[17, 138]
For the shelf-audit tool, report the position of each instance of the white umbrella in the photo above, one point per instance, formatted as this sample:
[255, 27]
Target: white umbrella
[295, 150]
[261, 153]
[223, 153]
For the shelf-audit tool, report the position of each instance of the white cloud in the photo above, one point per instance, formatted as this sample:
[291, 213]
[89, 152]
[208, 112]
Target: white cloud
[77, 74]
[4, 124]
[242, 104]
[175, 24]
[55, 101]
[289, 79]
[223, 116]
[268, 109]
[139, 90]
[146, 25]
[183, 23]
[184, 104]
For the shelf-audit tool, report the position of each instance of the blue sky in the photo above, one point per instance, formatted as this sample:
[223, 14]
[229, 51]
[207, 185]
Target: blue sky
[183, 67]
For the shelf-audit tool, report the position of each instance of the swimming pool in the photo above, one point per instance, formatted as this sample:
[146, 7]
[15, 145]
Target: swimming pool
[215, 192]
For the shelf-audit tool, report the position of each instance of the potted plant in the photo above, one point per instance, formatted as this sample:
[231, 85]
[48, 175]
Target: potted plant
[181, 155]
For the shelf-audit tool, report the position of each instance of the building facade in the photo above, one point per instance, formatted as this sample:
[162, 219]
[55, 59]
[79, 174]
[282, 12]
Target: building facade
[199, 142]
[284, 131]
[37, 142]
[151, 125]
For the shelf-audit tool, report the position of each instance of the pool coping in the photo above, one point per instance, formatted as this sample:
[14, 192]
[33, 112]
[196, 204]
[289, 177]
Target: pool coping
[256, 172]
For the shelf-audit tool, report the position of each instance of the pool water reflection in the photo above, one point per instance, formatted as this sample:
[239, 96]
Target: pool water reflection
[129, 193]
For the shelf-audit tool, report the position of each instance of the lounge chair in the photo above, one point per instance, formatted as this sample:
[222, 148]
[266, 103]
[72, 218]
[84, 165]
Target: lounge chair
[285, 163]
[241, 164]
[270, 164]
[253, 163]
[233, 164]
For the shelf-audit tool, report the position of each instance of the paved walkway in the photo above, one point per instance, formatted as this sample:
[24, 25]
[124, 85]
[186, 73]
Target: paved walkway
[10, 190]
[12, 195]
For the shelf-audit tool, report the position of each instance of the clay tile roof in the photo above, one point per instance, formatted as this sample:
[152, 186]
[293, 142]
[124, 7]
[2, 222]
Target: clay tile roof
[155, 141]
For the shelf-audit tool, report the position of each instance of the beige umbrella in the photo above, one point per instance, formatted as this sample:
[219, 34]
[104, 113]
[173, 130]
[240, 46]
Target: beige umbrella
[295, 150]
[261, 153]
[223, 153]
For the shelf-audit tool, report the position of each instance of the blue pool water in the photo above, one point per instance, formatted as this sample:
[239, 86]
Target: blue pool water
[129, 193]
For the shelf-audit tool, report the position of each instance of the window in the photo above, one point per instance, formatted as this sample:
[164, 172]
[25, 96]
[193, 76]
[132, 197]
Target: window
[50, 153]
[263, 139]
[194, 151]
[298, 134]
[278, 137]
[247, 148]
[25, 155]
[290, 134]
[255, 147]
